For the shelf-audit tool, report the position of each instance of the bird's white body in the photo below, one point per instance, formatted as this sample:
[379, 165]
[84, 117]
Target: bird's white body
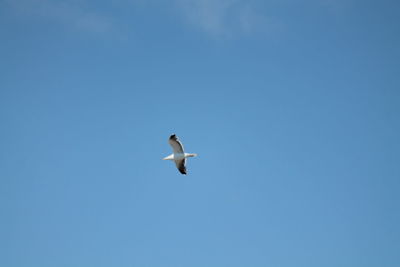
[179, 156]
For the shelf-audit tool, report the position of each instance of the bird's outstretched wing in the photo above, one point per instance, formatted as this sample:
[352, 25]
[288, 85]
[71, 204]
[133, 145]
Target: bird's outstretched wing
[176, 144]
[180, 164]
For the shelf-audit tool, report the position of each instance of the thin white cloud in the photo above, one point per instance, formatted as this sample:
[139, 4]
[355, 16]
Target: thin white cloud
[222, 18]
[216, 18]
[67, 12]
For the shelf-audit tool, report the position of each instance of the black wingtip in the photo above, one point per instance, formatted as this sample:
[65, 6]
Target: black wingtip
[182, 170]
[173, 136]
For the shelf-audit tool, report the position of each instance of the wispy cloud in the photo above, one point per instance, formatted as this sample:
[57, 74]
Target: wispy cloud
[68, 12]
[215, 18]
[222, 18]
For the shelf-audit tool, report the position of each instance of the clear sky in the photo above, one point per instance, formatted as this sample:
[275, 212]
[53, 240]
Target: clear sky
[292, 106]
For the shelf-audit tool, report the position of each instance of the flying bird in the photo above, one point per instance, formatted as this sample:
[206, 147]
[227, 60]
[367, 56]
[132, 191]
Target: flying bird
[179, 155]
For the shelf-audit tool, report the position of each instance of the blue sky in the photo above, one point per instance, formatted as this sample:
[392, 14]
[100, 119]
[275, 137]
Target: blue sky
[292, 106]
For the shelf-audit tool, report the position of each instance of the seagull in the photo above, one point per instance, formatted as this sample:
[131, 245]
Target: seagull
[179, 155]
